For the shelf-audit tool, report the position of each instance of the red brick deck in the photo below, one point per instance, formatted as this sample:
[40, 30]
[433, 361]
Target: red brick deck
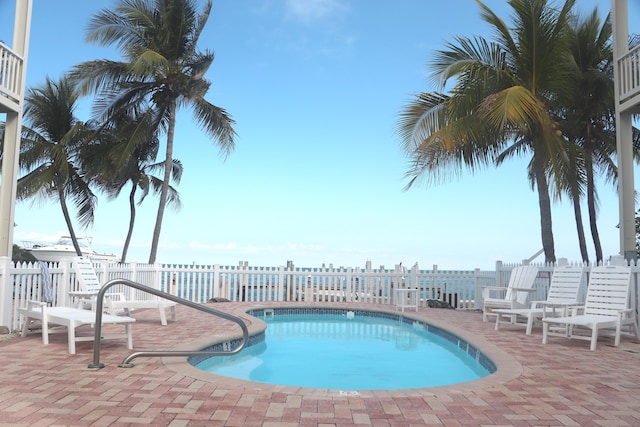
[558, 384]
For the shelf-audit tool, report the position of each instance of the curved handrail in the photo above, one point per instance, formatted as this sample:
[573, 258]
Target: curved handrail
[126, 363]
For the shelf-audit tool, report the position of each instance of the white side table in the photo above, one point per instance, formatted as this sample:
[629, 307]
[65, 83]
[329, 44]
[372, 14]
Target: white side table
[407, 298]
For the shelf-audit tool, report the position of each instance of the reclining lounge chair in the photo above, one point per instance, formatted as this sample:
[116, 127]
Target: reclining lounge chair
[566, 282]
[116, 302]
[515, 295]
[606, 307]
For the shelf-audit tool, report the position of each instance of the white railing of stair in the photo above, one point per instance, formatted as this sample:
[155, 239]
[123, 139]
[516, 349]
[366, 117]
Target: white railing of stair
[126, 363]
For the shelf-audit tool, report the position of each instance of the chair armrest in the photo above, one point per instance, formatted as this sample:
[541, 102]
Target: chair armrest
[486, 290]
[562, 304]
[34, 303]
[536, 304]
[514, 295]
[624, 313]
[115, 296]
[83, 294]
[564, 309]
[575, 309]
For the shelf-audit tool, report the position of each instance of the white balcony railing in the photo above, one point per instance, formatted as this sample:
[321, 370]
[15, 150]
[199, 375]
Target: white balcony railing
[629, 72]
[10, 74]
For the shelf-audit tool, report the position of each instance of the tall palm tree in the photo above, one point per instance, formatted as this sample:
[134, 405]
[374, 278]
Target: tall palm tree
[570, 179]
[162, 69]
[499, 102]
[49, 152]
[111, 170]
[587, 115]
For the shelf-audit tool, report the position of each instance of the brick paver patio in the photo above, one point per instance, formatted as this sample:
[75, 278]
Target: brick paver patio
[558, 384]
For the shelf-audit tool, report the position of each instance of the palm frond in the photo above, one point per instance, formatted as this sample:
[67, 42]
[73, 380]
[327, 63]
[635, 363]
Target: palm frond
[217, 122]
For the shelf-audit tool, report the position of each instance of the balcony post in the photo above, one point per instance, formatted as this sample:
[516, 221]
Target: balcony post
[624, 149]
[21, 32]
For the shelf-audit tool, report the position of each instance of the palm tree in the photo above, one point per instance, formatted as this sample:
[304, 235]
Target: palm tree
[162, 70]
[573, 182]
[49, 152]
[587, 116]
[104, 163]
[140, 175]
[499, 103]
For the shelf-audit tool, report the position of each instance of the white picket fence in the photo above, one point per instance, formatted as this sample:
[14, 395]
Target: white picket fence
[461, 289]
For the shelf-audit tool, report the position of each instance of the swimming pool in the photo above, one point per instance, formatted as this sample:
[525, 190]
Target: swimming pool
[350, 349]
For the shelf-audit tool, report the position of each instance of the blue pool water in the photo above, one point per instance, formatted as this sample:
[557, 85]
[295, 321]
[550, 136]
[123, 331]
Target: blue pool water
[359, 353]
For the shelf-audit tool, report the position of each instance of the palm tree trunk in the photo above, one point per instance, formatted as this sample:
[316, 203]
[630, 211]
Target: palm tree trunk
[577, 212]
[132, 220]
[591, 206]
[574, 191]
[165, 183]
[544, 201]
[67, 219]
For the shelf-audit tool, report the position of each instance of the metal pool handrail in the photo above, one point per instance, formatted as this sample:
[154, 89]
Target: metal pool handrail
[126, 363]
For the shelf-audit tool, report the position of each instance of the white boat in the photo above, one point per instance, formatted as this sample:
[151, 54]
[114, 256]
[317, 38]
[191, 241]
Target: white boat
[63, 250]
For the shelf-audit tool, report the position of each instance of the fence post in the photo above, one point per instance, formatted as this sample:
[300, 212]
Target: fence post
[63, 298]
[244, 282]
[368, 283]
[134, 271]
[6, 286]
[156, 280]
[414, 276]
[478, 291]
[415, 282]
[281, 295]
[348, 290]
[289, 282]
[215, 292]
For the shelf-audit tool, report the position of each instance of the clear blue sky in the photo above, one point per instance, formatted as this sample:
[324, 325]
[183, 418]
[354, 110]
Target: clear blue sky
[315, 87]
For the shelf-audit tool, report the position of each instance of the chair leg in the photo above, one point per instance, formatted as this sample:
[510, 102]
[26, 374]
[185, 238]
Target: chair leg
[545, 331]
[71, 337]
[45, 326]
[25, 326]
[129, 331]
[594, 338]
[529, 324]
[163, 315]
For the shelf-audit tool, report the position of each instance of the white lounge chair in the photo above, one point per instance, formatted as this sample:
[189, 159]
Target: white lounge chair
[60, 319]
[564, 289]
[115, 302]
[515, 295]
[69, 319]
[606, 307]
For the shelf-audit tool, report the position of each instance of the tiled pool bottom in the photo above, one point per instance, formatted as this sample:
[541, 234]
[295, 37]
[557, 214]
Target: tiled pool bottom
[456, 322]
[344, 313]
